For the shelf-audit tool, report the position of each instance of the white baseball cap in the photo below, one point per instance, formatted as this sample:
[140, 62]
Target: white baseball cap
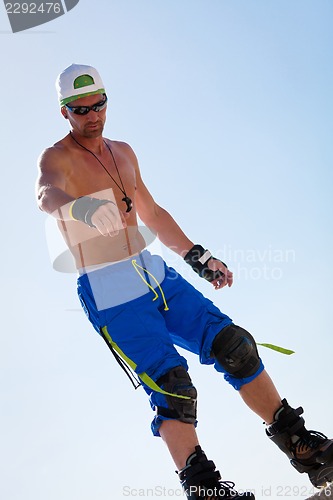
[76, 81]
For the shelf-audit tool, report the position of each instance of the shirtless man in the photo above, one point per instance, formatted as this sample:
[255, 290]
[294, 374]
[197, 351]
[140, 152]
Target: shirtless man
[141, 307]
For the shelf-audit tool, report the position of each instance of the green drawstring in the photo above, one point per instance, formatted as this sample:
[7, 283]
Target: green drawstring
[282, 350]
[143, 376]
[136, 266]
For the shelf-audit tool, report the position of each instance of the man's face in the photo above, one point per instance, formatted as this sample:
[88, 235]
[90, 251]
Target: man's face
[88, 125]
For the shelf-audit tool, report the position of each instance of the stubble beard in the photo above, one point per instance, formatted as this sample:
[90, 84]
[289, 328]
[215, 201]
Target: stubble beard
[92, 133]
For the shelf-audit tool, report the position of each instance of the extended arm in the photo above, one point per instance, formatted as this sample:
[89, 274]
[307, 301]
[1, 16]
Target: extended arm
[159, 220]
[51, 185]
[171, 235]
[52, 198]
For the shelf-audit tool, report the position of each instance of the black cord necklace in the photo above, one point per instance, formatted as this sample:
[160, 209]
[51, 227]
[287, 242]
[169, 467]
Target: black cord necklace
[126, 199]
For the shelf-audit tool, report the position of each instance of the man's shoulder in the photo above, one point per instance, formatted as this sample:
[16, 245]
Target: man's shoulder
[59, 146]
[122, 148]
[55, 152]
[121, 145]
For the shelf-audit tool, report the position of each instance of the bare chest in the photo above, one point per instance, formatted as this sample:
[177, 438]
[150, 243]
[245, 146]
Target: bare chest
[89, 173]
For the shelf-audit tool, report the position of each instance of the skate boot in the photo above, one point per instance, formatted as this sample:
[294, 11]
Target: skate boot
[200, 480]
[308, 451]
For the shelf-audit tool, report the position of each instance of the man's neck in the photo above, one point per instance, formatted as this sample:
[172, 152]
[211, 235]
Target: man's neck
[94, 144]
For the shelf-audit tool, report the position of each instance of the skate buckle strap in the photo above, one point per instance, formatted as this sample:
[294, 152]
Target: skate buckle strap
[298, 426]
[193, 469]
[199, 472]
[288, 421]
[207, 480]
[284, 427]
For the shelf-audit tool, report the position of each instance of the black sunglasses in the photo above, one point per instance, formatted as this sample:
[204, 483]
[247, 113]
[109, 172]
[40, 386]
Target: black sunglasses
[84, 110]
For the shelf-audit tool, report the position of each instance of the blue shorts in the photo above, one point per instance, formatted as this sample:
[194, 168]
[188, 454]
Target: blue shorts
[151, 310]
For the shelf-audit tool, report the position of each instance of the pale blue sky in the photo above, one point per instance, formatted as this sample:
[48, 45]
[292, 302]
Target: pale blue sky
[228, 105]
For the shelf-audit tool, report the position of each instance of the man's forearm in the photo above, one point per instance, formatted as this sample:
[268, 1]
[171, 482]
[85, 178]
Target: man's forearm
[54, 201]
[170, 234]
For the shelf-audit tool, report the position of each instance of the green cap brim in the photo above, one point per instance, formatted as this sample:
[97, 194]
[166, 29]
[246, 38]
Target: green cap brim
[72, 98]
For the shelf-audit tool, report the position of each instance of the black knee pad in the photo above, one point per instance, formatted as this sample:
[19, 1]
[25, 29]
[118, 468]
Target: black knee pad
[236, 351]
[177, 381]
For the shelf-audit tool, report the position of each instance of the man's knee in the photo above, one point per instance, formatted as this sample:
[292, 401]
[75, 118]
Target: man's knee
[236, 351]
[182, 401]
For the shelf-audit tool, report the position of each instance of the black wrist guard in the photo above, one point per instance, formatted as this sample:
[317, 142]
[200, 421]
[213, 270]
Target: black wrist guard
[84, 208]
[198, 259]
